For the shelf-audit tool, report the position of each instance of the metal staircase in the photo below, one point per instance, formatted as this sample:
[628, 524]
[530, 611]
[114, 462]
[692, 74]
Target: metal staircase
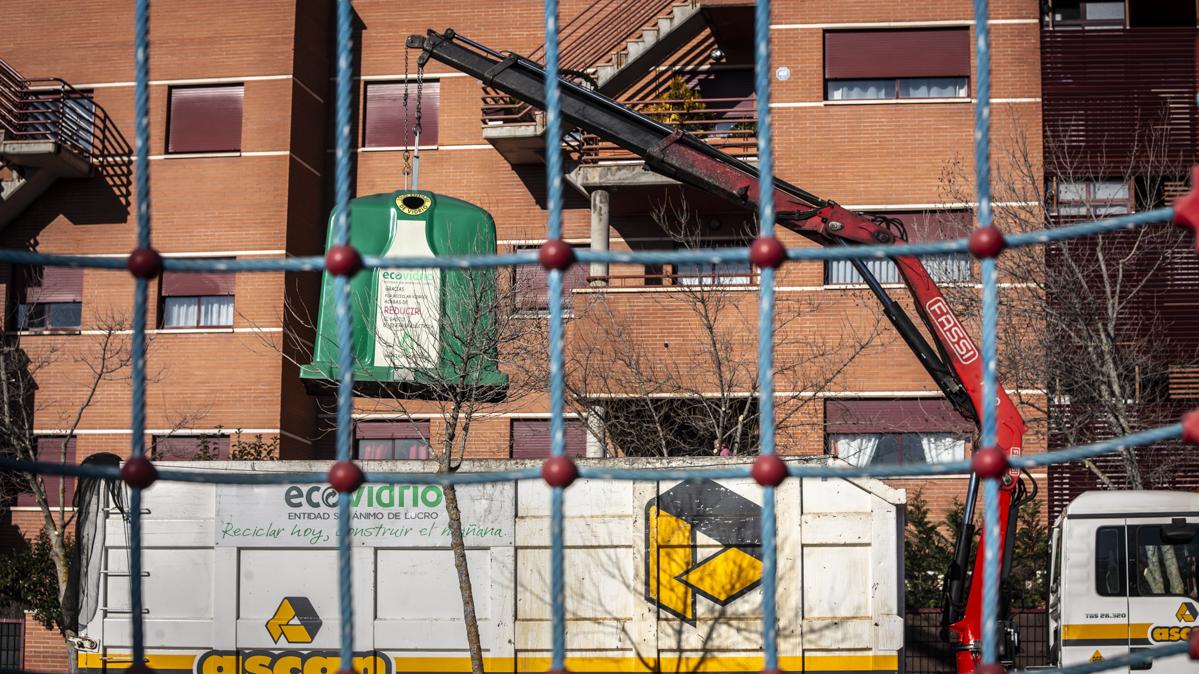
[609, 46]
[48, 130]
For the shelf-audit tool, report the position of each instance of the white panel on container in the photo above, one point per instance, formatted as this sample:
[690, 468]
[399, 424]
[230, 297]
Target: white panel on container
[834, 496]
[581, 635]
[265, 577]
[421, 585]
[169, 591]
[183, 500]
[836, 581]
[600, 583]
[585, 498]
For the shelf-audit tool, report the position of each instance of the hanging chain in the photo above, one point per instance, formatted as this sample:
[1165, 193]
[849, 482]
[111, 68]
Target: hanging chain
[420, 83]
[404, 105]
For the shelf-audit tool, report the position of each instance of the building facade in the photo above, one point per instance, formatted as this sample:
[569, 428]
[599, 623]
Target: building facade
[872, 105]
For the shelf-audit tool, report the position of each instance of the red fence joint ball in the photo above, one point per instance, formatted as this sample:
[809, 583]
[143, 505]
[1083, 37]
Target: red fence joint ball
[144, 263]
[556, 254]
[986, 242]
[1186, 209]
[1190, 427]
[767, 252]
[559, 471]
[346, 477]
[138, 472]
[769, 470]
[989, 463]
[343, 261]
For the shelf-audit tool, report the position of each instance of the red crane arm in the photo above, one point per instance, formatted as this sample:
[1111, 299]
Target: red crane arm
[956, 363]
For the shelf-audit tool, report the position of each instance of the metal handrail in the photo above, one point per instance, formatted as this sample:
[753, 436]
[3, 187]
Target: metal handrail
[51, 110]
[666, 279]
[730, 124]
[591, 38]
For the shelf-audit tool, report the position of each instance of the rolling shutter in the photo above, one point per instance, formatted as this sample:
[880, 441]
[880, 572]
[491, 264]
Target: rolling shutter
[385, 114]
[877, 54]
[205, 119]
[52, 284]
[924, 415]
[531, 438]
[175, 284]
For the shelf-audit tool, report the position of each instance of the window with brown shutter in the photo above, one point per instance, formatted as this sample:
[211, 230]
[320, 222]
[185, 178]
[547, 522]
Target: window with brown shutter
[197, 300]
[389, 122]
[50, 450]
[893, 64]
[883, 432]
[532, 289]
[921, 227]
[190, 448]
[49, 298]
[531, 438]
[205, 119]
[392, 440]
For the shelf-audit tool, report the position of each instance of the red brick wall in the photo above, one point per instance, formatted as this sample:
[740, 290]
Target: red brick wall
[44, 649]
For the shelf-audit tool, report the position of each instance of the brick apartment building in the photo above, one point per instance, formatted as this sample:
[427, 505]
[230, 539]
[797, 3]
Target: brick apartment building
[872, 105]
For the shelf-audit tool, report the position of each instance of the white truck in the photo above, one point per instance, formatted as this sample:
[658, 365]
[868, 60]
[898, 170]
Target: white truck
[1125, 575]
[660, 576]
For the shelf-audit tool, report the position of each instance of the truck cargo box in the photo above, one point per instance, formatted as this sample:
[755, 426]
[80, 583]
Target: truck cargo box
[660, 576]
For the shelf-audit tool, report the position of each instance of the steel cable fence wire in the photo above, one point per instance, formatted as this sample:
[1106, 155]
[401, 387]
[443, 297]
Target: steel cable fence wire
[554, 221]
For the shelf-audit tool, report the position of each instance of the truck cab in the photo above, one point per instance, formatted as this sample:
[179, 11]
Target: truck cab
[1125, 576]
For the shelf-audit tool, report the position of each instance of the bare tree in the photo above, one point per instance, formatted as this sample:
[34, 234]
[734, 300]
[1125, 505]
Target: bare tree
[448, 363]
[694, 390]
[91, 363]
[1082, 319]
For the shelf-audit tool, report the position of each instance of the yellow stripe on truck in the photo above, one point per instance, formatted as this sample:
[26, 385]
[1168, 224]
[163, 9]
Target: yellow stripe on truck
[124, 660]
[888, 662]
[1105, 631]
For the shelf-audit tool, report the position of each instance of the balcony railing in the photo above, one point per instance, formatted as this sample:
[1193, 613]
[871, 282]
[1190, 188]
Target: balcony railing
[51, 110]
[722, 279]
[730, 124]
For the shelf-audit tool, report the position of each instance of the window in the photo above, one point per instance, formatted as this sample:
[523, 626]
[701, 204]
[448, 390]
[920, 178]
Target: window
[1088, 13]
[205, 119]
[876, 449]
[532, 291]
[197, 300]
[1075, 199]
[1161, 13]
[920, 227]
[709, 274]
[389, 123]
[190, 448]
[531, 438]
[896, 64]
[53, 450]
[884, 432]
[1110, 562]
[12, 642]
[1165, 567]
[393, 440]
[692, 426]
[49, 298]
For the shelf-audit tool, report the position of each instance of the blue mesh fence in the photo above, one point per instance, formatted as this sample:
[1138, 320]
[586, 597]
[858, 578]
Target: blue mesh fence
[766, 218]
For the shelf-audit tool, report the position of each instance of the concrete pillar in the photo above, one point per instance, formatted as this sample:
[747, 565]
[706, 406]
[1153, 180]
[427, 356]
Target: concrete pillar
[599, 233]
[595, 430]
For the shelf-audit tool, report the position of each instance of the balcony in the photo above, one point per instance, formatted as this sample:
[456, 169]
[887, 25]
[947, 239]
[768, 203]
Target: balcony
[49, 130]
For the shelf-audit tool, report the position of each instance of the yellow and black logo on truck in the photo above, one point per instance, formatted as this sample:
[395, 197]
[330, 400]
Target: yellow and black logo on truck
[701, 539]
[295, 621]
[1186, 613]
